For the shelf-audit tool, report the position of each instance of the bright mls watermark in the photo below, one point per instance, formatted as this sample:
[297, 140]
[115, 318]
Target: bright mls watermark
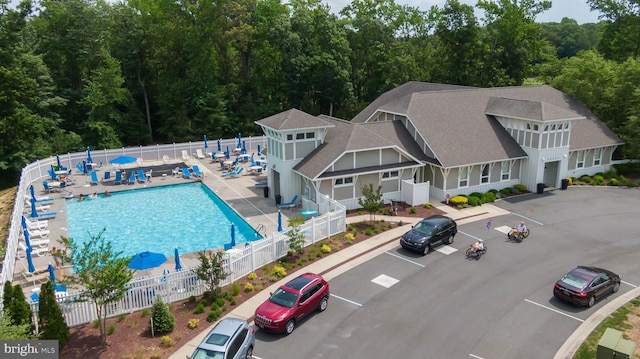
[37, 349]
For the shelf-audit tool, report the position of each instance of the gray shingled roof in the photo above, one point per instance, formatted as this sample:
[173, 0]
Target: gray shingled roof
[345, 137]
[292, 119]
[529, 110]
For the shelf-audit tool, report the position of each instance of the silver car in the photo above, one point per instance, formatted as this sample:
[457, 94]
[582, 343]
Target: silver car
[231, 338]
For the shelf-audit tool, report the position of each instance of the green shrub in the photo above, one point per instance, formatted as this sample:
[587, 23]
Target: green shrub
[193, 323]
[166, 341]
[427, 205]
[474, 201]
[598, 180]
[163, 321]
[458, 200]
[412, 210]
[248, 287]
[488, 197]
[586, 179]
[199, 308]
[111, 330]
[326, 248]
[610, 174]
[494, 191]
[368, 232]
[613, 182]
[520, 187]
[192, 299]
[213, 315]
[476, 194]
[235, 289]
[279, 271]
[506, 191]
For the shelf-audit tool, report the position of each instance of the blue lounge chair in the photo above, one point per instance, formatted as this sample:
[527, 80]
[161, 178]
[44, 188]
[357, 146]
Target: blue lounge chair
[45, 215]
[141, 177]
[186, 173]
[132, 178]
[235, 173]
[118, 178]
[48, 188]
[291, 204]
[94, 178]
[196, 171]
[107, 176]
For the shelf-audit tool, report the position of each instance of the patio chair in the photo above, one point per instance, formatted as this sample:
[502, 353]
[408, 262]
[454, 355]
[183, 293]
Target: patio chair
[196, 171]
[141, 177]
[94, 178]
[289, 205]
[186, 173]
[132, 178]
[199, 154]
[235, 173]
[48, 188]
[185, 155]
[118, 178]
[107, 176]
[165, 159]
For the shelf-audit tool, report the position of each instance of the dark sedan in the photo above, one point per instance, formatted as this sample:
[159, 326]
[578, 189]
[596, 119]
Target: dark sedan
[584, 285]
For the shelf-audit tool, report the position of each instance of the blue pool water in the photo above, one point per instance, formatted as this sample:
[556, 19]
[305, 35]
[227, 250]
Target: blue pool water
[188, 216]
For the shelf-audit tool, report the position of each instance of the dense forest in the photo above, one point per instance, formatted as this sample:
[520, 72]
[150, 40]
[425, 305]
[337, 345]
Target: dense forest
[77, 73]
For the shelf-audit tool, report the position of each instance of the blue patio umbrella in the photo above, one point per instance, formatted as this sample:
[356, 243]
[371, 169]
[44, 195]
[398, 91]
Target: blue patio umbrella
[84, 167]
[58, 161]
[147, 260]
[219, 146]
[244, 146]
[34, 210]
[122, 160]
[177, 257]
[239, 140]
[279, 221]
[206, 145]
[52, 273]
[233, 235]
[259, 150]
[89, 159]
[30, 267]
[33, 192]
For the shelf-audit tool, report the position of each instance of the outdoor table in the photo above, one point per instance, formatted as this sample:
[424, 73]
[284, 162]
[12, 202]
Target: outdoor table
[255, 169]
[261, 161]
[237, 150]
[61, 172]
[245, 157]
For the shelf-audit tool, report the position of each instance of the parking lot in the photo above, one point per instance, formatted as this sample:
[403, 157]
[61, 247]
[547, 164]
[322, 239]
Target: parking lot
[401, 304]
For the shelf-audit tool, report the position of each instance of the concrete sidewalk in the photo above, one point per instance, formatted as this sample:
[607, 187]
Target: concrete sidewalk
[347, 258]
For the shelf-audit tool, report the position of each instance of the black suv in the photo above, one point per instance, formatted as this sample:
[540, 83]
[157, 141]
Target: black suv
[429, 232]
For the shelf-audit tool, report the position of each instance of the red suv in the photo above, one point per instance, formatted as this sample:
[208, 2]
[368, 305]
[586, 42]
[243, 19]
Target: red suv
[293, 301]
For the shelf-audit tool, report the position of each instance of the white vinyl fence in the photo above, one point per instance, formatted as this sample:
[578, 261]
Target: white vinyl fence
[175, 286]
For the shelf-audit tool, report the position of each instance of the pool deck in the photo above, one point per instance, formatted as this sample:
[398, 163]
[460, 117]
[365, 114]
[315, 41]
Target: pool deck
[240, 192]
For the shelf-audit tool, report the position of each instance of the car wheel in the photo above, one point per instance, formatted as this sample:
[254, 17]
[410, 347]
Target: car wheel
[425, 251]
[249, 353]
[616, 287]
[290, 326]
[323, 304]
[592, 301]
[450, 239]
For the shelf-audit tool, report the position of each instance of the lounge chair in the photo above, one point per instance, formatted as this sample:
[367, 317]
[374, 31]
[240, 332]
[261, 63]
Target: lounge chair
[35, 277]
[37, 225]
[196, 171]
[185, 155]
[46, 215]
[94, 178]
[40, 252]
[42, 243]
[48, 188]
[199, 153]
[40, 233]
[289, 205]
[41, 207]
[118, 178]
[107, 176]
[186, 173]
[141, 177]
[39, 200]
[149, 174]
[235, 173]
[132, 178]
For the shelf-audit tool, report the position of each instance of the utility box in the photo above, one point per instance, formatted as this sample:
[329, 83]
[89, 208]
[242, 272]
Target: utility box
[613, 346]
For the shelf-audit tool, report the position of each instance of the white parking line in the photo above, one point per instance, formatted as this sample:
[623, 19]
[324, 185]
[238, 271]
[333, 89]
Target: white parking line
[405, 259]
[629, 284]
[527, 218]
[475, 356]
[555, 310]
[346, 300]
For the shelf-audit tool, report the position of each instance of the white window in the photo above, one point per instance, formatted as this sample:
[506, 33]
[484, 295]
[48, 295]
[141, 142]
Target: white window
[484, 177]
[463, 177]
[597, 157]
[580, 163]
[506, 170]
[389, 175]
[344, 181]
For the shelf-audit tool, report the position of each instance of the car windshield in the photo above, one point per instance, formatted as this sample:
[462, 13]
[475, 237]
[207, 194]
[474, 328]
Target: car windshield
[283, 298]
[575, 280]
[207, 354]
[424, 228]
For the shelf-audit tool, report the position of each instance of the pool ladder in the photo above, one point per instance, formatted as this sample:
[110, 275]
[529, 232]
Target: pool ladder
[263, 228]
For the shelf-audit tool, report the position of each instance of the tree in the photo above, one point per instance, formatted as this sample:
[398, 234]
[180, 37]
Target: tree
[372, 201]
[101, 272]
[621, 38]
[162, 321]
[296, 237]
[17, 310]
[51, 321]
[9, 331]
[211, 270]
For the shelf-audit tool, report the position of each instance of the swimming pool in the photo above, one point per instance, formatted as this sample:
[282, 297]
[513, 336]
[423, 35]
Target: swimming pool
[158, 219]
